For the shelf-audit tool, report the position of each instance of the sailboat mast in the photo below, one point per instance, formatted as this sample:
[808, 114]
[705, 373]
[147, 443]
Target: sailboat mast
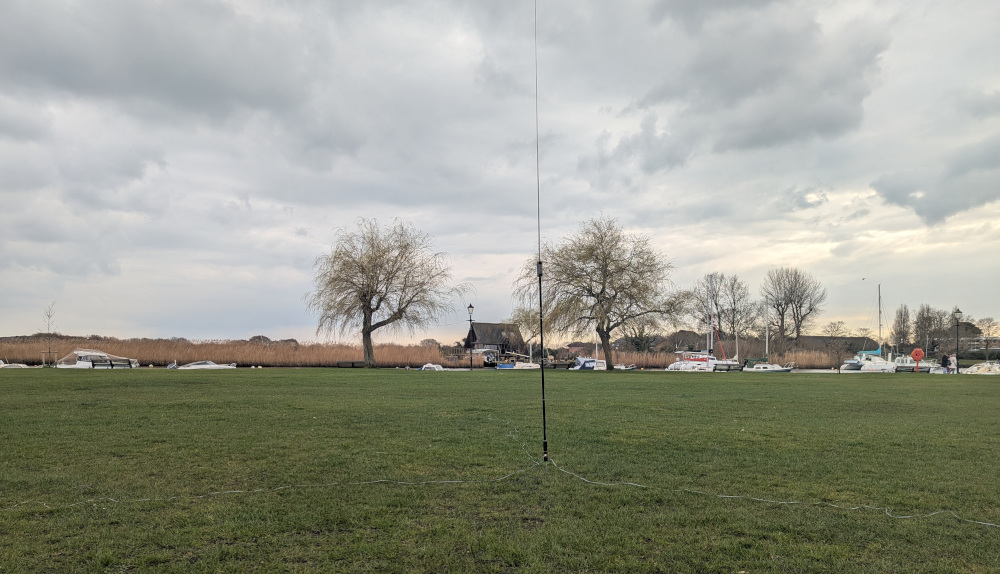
[708, 334]
[879, 319]
[767, 334]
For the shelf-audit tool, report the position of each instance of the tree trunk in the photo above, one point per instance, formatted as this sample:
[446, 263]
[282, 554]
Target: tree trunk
[606, 347]
[366, 343]
[366, 340]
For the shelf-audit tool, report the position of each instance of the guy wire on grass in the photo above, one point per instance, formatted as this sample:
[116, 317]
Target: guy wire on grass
[513, 434]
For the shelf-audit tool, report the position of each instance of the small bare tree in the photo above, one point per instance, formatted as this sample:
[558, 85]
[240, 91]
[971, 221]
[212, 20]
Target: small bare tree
[727, 299]
[601, 278]
[836, 340]
[901, 326]
[377, 277]
[931, 326]
[48, 317]
[988, 328]
[793, 295]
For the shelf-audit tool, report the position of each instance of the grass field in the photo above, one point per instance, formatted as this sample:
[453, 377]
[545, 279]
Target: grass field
[330, 470]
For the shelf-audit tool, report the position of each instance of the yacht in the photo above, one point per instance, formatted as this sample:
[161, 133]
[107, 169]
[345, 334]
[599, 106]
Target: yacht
[91, 359]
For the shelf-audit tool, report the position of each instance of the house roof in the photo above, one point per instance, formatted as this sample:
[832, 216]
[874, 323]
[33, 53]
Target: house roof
[821, 342]
[498, 334]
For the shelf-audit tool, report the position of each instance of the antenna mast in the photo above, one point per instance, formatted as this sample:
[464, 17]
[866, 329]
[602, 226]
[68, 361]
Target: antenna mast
[538, 200]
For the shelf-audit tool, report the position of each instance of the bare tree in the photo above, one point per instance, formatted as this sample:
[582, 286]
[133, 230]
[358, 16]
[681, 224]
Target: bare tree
[740, 312]
[706, 300]
[377, 277]
[836, 342]
[526, 319]
[793, 295]
[641, 335]
[726, 298]
[988, 328]
[48, 317]
[931, 325]
[601, 278]
[865, 334]
[900, 334]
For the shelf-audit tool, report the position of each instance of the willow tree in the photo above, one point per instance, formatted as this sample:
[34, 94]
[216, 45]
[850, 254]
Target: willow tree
[600, 278]
[381, 277]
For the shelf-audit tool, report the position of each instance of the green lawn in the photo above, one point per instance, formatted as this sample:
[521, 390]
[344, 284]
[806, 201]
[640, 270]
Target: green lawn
[347, 470]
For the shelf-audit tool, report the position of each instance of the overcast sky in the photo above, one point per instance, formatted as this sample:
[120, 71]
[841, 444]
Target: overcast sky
[173, 168]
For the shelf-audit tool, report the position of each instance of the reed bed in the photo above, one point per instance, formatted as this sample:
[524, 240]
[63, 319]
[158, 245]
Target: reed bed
[160, 352]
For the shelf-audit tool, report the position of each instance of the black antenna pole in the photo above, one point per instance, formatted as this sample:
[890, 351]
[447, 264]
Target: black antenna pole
[538, 196]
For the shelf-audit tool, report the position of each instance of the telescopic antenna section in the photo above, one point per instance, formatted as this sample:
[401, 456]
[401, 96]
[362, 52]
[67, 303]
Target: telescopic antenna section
[538, 199]
[541, 336]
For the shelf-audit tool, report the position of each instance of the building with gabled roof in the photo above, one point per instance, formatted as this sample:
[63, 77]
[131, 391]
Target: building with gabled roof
[500, 337]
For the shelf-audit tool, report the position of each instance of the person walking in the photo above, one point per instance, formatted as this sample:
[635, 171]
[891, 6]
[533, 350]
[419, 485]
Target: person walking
[944, 363]
[953, 364]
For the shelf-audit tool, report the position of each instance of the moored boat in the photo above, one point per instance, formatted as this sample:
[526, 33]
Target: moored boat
[91, 359]
[703, 362]
[198, 365]
[769, 368]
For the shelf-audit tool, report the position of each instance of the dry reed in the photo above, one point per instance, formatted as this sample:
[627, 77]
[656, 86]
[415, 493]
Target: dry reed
[160, 352]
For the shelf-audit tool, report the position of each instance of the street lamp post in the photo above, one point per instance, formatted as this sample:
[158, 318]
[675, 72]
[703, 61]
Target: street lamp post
[958, 317]
[471, 309]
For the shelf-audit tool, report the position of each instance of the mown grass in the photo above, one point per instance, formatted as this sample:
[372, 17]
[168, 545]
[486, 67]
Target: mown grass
[272, 470]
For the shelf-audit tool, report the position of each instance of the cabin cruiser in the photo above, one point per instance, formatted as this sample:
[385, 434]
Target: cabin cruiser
[90, 359]
[906, 364]
[987, 368]
[588, 364]
[868, 362]
[703, 362]
[769, 368]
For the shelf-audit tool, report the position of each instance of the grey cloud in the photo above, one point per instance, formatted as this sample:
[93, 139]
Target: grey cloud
[764, 82]
[752, 79]
[500, 81]
[980, 104]
[21, 121]
[651, 149]
[969, 178]
[200, 57]
[24, 168]
[694, 14]
[797, 198]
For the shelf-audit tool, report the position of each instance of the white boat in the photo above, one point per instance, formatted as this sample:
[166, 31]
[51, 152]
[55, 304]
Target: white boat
[4, 365]
[90, 359]
[769, 368]
[431, 367]
[851, 365]
[703, 362]
[588, 364]
[520, 365]
[987, 368]
[906, 364]
[699, 361]
[204, 365]
[868, 362]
